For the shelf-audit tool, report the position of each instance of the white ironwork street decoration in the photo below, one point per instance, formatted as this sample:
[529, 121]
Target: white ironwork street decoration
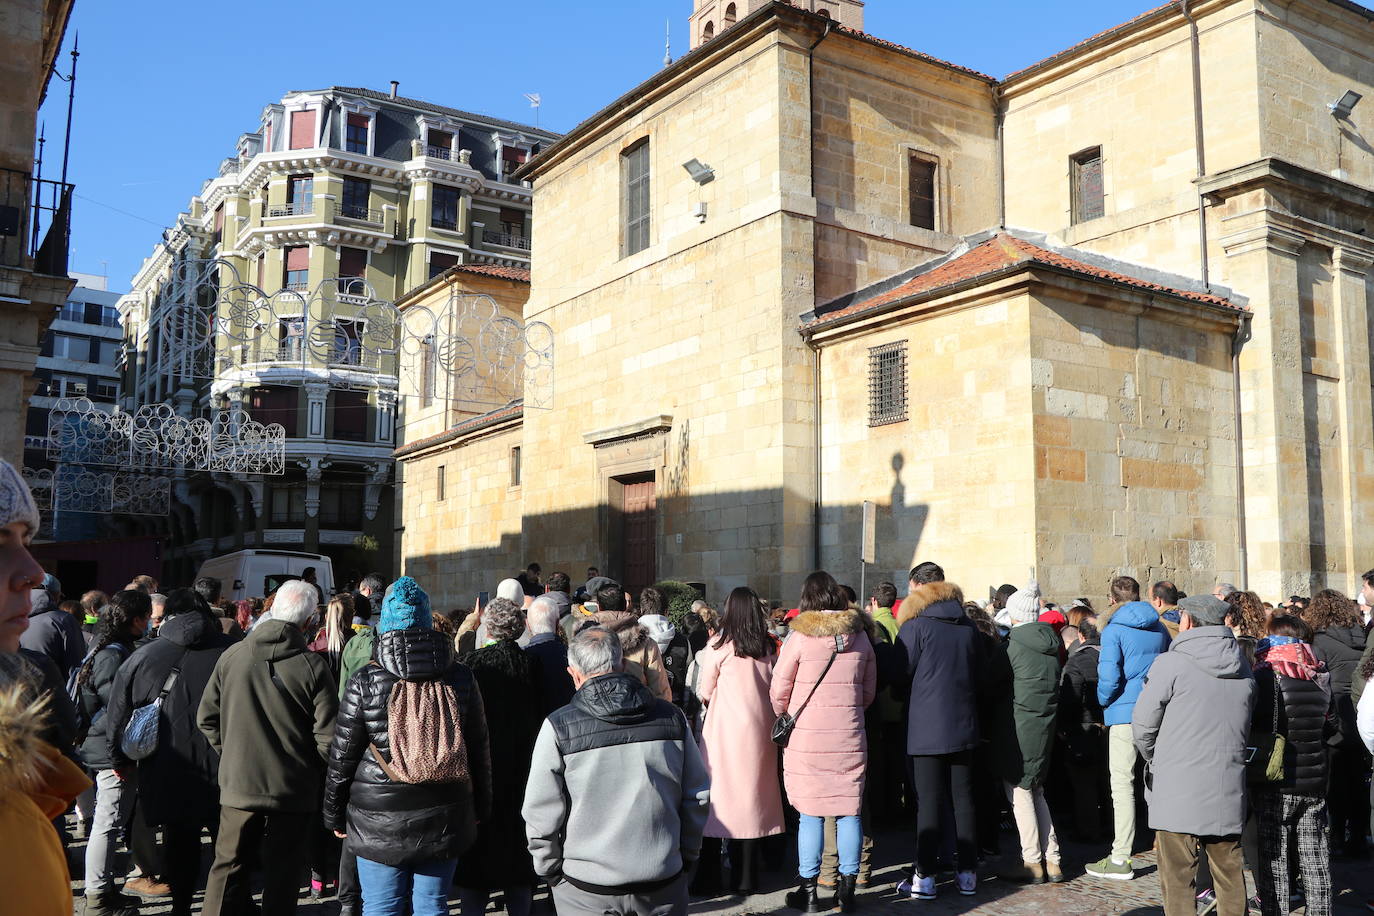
[155, 437]
[77, 489]
[208, 322]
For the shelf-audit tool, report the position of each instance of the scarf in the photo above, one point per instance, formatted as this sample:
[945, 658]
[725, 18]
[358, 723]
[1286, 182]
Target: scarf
[1287, 656]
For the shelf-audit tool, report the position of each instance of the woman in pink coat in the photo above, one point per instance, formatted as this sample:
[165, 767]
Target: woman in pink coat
[823, 765]
[734, 671]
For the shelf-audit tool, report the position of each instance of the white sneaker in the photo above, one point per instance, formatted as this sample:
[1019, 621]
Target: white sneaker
[917, 887]
[968, 882]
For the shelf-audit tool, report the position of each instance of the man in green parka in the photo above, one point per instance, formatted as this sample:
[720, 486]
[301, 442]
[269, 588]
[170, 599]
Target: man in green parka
[1023, 733]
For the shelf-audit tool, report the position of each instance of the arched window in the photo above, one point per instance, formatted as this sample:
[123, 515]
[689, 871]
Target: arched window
[709, 32]
[730, 15]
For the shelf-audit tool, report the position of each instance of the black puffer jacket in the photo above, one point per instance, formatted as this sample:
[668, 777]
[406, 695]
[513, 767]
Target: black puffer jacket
[1305, 713]
[95, 698]
[398, 823]
[1341, 649]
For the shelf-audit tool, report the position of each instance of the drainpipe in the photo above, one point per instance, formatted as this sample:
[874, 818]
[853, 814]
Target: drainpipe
[1242, 546]
[815, 257]
[1199, 143]
[816, 450]
[1000, 114]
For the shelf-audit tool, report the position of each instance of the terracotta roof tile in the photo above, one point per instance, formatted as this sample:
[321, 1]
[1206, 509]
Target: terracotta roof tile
[518, 274]
[1001, 252]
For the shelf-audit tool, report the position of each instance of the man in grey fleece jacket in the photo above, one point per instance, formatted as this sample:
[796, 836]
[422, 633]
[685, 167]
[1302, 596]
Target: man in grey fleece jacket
[617, 795]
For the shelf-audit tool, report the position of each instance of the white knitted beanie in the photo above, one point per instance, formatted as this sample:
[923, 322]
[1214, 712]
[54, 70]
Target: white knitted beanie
[16, 502]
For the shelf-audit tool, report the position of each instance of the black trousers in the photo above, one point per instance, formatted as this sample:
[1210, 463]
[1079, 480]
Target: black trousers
[1347, 803]
[182, 839]
[941, 779]
[350, 890]
[143, 846]
[276, 842]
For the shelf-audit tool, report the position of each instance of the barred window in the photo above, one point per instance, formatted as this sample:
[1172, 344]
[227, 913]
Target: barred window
[887, 384]
[1088, 190]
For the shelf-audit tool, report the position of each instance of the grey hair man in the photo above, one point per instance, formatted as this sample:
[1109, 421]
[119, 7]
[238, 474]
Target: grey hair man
[549, 653]
[268, 711]
[616, 768]
[159, 602]
[1223, 591]
[1193, 718]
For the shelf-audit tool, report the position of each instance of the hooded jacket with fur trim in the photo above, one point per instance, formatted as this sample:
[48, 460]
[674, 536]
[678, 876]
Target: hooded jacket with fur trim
[639, 651]
[944, 662]
[823, 765]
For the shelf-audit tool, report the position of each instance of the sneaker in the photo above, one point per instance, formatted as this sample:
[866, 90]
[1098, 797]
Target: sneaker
[1110, 868]
[1206, 902]
[916, 887]
[967, 882]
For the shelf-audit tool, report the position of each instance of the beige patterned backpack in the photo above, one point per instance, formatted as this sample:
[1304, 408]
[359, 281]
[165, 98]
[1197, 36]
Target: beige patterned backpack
[426, 734]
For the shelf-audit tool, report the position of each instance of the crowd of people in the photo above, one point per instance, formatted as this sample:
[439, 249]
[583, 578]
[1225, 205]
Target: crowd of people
[629, 755]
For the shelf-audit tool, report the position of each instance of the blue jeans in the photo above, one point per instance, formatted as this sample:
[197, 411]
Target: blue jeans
[849, 840]
[386, 888]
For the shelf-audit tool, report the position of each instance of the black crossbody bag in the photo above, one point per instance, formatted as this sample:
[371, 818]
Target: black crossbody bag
[783, 725]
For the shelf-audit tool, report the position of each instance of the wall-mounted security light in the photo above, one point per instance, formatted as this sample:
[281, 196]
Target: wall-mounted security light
[701, 174]
[1344, 105]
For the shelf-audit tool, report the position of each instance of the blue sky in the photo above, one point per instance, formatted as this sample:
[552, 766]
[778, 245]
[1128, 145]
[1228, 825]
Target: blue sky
[166, 86]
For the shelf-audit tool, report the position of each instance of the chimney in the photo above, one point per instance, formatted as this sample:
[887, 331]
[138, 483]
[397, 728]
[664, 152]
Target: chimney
[394, 86]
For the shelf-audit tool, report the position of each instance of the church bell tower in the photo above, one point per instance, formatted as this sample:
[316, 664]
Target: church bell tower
[711, 17]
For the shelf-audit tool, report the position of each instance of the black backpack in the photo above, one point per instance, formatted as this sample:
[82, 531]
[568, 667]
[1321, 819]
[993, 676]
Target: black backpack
[85, 721]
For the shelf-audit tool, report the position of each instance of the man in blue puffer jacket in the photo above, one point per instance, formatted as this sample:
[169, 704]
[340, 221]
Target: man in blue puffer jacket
[1131, 641]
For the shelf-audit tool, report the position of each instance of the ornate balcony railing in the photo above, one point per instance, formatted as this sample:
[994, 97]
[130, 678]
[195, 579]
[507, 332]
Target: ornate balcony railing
[301, 209]
[438, 152]
[362, 214]
[443, 222]
[507, 240]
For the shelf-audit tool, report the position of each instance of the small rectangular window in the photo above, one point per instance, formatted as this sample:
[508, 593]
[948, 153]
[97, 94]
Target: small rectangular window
[515, 466]
[445, 212]
[439, 144]
[109, 316]
[357, 194]
[106, 391]
[439, 262]
[634, 198]
[1088, 192]
[887, 384]
[65, 346]
[442, 480]
[73, 311]
[355, 133]
[922, 191]
[296, 268]
[219, 224]
[300, 191]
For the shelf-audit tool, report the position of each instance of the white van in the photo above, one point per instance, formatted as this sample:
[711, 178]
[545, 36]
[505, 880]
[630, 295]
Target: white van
[258, 573]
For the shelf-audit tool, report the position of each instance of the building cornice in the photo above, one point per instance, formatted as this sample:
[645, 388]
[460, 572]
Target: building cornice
[496, 421]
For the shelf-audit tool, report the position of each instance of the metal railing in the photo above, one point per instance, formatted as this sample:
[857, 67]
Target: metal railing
[507, 240]
[301, 209]
[362, 214]
[355, 357]
[443, 222]
[35, 222]
[438, 152]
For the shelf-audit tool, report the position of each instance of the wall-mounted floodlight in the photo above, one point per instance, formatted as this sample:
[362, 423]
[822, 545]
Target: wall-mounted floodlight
[701, 174]
[1344, 105]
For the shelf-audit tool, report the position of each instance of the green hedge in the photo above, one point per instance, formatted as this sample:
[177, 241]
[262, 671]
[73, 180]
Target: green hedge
[679, 597]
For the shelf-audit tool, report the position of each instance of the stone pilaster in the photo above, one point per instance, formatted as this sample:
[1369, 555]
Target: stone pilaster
[1264, 258]
[1351, 285]
[316, 400]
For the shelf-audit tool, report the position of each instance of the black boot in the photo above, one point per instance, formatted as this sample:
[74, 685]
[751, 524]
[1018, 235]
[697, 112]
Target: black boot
[844, 895]
[806, 897]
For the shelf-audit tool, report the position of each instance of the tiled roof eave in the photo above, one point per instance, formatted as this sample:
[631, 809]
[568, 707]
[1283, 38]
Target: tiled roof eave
[501, 415]
[1214, 304]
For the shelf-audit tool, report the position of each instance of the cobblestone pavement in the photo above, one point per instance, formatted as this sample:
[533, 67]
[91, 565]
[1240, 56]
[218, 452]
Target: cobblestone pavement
[1081, 895]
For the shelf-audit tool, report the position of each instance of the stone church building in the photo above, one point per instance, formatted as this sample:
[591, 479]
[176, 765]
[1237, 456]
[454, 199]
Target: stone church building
[1108, 314]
